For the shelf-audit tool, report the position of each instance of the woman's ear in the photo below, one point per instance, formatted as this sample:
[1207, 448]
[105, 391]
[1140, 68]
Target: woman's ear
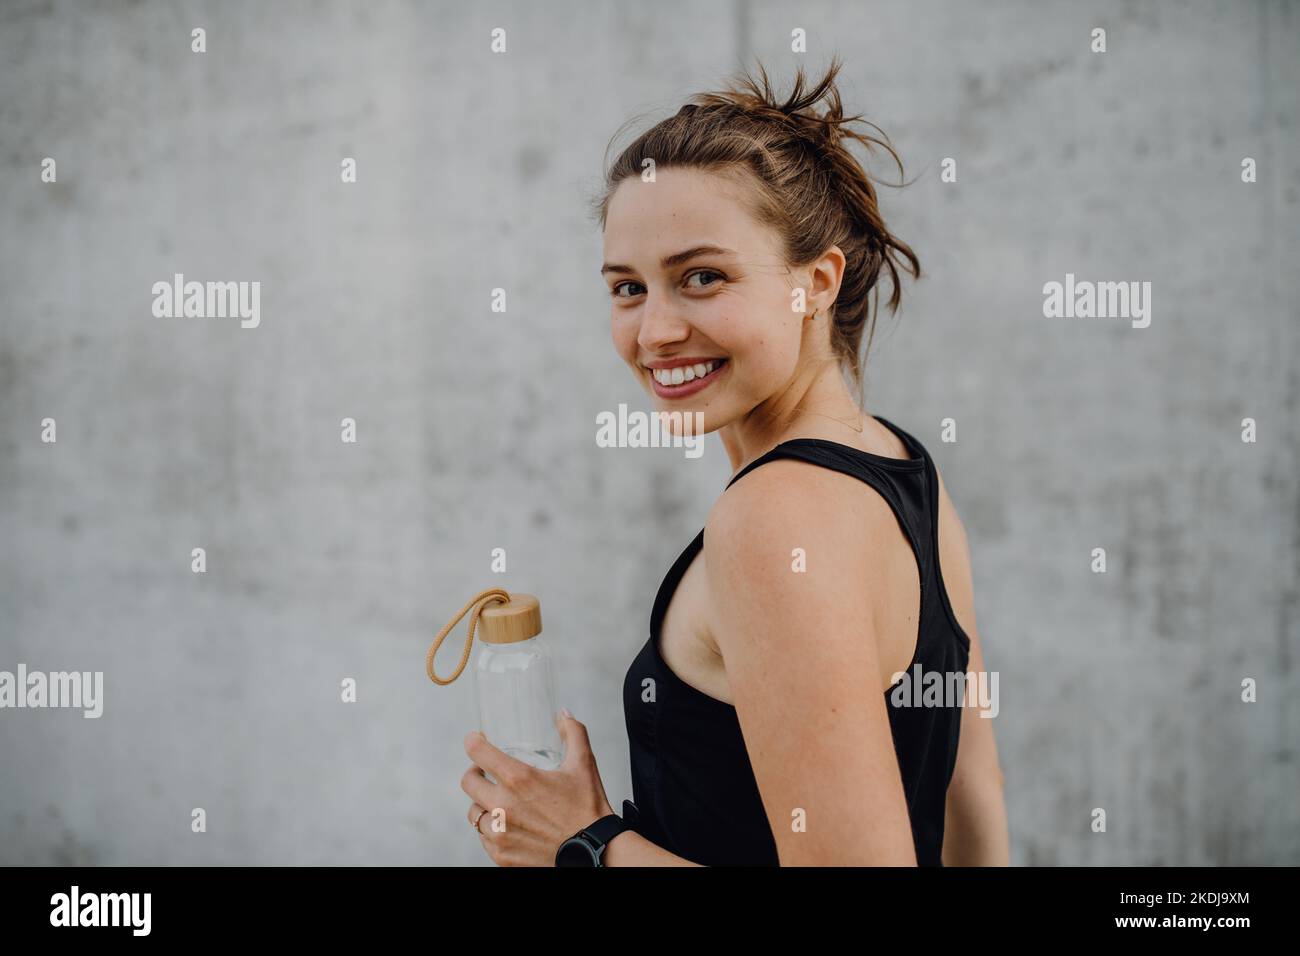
[826, 275]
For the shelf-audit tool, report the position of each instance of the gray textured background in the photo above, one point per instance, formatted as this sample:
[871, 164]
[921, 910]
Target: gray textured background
[476, 430]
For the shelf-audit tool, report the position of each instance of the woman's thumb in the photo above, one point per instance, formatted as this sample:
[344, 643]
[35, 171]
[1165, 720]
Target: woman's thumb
[572, 731]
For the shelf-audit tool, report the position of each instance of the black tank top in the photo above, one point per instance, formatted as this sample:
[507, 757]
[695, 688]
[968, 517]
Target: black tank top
[691, 776]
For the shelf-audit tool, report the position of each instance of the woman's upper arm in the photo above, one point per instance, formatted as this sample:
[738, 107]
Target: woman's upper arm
[975, 823]
[975, 816]
[802, 663]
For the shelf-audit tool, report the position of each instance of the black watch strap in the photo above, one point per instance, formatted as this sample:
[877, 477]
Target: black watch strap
[611, 825]
[604, 830]
[597, 835]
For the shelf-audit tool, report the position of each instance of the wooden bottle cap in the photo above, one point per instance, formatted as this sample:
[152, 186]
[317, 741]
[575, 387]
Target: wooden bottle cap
[507, 623]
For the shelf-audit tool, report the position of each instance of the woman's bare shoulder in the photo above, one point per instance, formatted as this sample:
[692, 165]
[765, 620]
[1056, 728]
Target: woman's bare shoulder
[788, 503]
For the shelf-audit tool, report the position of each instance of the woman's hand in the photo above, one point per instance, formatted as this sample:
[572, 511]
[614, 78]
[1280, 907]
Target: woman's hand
[530, 812]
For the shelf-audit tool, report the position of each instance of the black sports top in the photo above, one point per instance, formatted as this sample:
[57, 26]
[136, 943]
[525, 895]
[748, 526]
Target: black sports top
[691, 776]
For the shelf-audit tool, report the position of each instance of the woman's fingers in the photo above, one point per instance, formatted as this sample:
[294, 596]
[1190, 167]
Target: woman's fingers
[505, 768]
[479, 788]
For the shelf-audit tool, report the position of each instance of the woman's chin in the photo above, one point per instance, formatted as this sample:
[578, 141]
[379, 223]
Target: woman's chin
[674, 419]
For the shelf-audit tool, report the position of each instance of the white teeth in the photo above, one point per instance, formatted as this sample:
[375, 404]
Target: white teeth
[683, 373]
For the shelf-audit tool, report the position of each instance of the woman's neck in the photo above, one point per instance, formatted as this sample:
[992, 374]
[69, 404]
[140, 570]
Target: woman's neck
[816, 397]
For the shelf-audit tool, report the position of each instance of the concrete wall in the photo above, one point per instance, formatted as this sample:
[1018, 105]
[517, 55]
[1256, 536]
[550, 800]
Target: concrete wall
[476, 429]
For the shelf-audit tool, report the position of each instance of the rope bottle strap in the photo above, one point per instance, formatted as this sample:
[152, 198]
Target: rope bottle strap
[477, 603]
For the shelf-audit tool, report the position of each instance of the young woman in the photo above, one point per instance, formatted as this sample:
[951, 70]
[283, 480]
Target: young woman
[759, 712]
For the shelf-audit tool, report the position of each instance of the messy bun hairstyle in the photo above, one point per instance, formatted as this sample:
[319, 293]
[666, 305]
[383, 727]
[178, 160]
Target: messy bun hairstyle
[806, 185]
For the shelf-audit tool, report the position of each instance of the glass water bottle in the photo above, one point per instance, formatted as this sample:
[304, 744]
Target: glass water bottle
[513, 677]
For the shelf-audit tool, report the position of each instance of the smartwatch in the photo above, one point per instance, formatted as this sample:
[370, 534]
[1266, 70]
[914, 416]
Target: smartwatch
[587, 846]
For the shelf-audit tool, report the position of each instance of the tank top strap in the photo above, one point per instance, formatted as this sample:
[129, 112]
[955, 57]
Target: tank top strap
[932, 505]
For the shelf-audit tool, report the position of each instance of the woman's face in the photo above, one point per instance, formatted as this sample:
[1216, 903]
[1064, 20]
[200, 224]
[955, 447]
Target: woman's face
[701, 298]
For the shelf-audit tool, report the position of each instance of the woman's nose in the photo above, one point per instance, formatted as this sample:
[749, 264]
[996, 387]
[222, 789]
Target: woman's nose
[661, 325]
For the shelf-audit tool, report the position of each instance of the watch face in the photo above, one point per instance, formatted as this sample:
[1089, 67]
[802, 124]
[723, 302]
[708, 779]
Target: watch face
[575, 852]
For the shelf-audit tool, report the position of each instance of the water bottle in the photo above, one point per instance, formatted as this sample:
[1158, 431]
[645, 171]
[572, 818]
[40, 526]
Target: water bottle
[516, 688]
[513, 677]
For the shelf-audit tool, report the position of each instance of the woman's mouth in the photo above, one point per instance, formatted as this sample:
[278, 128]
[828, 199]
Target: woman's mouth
[683, 380]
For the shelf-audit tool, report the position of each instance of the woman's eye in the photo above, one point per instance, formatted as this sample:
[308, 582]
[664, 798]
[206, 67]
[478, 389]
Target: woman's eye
[704, 272]
[618, 295]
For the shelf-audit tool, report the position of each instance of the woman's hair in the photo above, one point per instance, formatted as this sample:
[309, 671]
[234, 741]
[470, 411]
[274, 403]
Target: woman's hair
[810, 188]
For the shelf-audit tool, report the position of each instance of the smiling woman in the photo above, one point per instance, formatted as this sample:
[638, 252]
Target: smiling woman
[741, 277]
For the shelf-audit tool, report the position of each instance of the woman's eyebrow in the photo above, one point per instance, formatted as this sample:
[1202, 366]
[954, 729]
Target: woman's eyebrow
[676, 259]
